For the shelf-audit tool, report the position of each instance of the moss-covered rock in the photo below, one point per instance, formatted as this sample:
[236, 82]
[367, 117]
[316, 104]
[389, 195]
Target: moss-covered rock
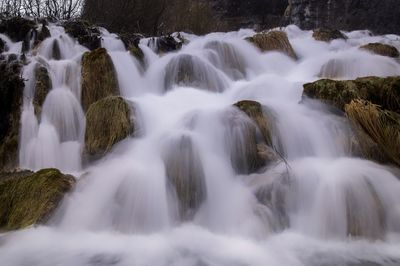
[107, 122]
[11, 96]
[327, 35]
[381, 49]
[381, 91]
[99, 78]
[42, 87]
[273, 41]
[30, 198]
[251, 147]
[87, 35]
[380, 126]
[185, 175]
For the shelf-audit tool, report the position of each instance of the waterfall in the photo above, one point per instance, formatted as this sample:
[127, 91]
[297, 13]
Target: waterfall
[186, 188]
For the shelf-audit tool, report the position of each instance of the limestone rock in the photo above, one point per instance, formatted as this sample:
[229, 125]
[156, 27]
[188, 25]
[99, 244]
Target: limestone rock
[381, 49]
[273, 41]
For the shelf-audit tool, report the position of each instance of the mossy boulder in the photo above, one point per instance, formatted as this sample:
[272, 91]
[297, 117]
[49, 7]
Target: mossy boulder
[327, 35]
[273, 41]
[99, 78]
[86, 34]
[381, 49]
[378, 130]
[108, 121]
[42, 87]
[382, 91]
[185, 175]
[11, 97]
[251, 137]
[29, 198]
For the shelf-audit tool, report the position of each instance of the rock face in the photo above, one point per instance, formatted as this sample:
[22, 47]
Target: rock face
[107, 122]
[11, 92]
[82, 31]
[327, 35]
[376, 15]
[381, 49]
[273, 41]
[28, 198]
[99, 78]
[372, 105]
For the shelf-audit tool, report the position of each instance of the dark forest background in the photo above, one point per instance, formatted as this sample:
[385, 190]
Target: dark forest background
[155, 17]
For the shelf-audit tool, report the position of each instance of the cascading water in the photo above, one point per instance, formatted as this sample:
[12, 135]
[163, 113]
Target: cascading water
[315, 206]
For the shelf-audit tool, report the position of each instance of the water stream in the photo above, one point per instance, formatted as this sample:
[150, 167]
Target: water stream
[300, 211]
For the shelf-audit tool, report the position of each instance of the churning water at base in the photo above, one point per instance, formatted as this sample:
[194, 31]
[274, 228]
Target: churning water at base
[315, 206]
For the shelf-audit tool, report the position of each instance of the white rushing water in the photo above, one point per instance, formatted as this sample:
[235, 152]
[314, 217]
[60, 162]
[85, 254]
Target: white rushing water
[301, 211]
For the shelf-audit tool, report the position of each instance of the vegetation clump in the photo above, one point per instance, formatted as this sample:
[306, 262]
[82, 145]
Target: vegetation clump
[28, 198]
[99, 78]
[82, 31]
[108, 121]
[381, 126]
[381, 49]
[273, 41]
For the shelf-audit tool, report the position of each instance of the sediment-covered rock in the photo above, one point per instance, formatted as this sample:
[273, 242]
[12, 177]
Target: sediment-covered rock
[84, 33]
[382, 91]
[381, 49]
[11, 96]
[327, 35]
[108, 121]
[273, 41]
[28, 198]
[249, 137]
[192, 71]
[185, 175]
[99, 78]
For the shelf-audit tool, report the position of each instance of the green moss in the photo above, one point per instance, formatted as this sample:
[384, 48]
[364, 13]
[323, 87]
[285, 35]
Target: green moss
[382, 91]
[99, 78]
[30, 199]
[273, 41]
[381, 49]
[107, 122]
